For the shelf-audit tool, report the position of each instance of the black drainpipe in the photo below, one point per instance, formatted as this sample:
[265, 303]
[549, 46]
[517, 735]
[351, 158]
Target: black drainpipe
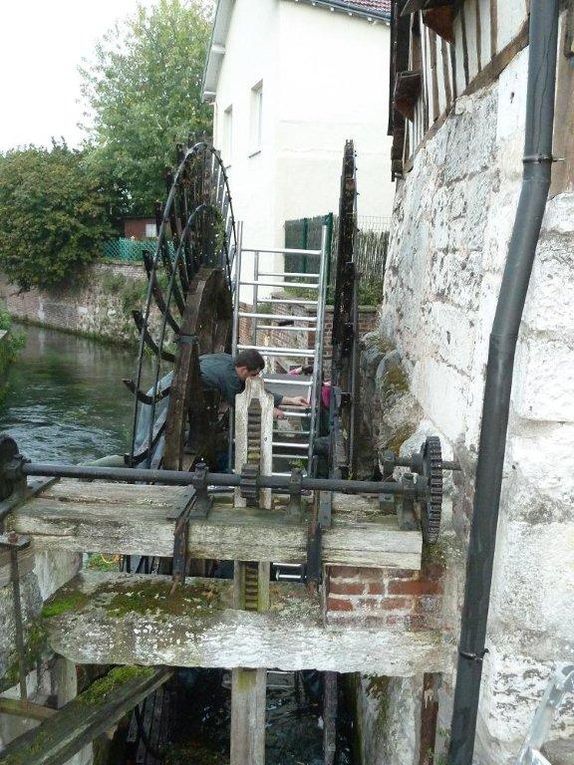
[495, 408]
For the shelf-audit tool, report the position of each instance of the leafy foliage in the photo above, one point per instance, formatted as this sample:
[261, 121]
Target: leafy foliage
[143, 90]
[54, 214]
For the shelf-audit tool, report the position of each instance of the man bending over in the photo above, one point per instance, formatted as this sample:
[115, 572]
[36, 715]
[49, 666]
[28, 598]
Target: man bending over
[222, 372]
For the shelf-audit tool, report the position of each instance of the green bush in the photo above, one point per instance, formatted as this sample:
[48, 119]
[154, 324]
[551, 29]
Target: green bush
[53, 215]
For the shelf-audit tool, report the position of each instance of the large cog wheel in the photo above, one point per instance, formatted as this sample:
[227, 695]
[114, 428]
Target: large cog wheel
[431, 510]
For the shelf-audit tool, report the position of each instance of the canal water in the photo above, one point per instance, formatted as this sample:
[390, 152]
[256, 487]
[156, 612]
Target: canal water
[66, 403]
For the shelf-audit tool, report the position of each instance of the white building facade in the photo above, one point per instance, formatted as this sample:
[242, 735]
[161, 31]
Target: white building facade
[290, 82]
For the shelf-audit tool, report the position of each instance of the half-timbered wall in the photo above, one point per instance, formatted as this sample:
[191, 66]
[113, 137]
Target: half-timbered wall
[455, 49]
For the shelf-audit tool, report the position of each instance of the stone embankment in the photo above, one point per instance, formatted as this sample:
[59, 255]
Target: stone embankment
[97, 303]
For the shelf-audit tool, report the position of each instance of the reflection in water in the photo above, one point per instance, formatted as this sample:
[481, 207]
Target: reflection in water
[66, 401]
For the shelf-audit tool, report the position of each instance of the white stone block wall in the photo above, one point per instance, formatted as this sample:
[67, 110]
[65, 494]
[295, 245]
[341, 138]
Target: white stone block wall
[454, 216]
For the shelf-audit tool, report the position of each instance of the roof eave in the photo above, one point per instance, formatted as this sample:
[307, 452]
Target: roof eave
[216, 50]
[336, 5]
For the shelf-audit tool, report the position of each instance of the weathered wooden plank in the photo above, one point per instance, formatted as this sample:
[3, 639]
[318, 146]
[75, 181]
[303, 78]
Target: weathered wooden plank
[131, 520]
[563, 172]
[247, 745]
[493, 27]
[102, 618]
[84, 718]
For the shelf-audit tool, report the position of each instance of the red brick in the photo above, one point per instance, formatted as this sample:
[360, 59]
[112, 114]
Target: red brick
[413, 587]
[338, 587]
[385, 604]
[339, 604]
[377, 588]
[345, 572]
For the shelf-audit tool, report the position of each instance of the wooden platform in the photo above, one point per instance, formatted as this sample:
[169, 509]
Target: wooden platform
[104, 618]
[76, 516]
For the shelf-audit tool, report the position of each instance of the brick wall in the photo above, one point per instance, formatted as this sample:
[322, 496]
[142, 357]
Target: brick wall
[98, 304]
[391, 597]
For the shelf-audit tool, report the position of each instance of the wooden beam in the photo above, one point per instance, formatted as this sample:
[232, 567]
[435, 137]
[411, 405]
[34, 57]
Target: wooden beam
[441, 21]
[131, 520]
[407, 91]
[83, 719]
[101, 618]
[563, 172]
[26, 709]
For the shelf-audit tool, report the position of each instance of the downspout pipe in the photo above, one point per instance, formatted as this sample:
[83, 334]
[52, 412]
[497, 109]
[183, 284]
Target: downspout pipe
[531, 206]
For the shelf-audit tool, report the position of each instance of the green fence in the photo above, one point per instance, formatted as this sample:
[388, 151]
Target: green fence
[370, 255]
[130, 250]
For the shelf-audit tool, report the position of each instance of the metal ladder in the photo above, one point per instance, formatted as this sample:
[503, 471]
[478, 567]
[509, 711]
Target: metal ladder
[295, 443]
[561, 683]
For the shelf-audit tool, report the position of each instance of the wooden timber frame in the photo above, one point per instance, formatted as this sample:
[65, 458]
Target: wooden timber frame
[457, 47]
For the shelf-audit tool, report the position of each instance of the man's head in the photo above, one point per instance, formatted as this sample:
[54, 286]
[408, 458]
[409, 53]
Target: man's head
[248, 364]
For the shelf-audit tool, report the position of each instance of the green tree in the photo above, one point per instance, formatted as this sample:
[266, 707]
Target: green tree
[54, 214]
[143, 93]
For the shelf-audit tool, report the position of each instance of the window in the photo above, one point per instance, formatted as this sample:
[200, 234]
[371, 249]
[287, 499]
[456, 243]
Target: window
[150, 231]
[256, 118]
[227, 136]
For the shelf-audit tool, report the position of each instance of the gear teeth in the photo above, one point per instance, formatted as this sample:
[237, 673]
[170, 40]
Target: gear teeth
[432, 510]
[251, 586]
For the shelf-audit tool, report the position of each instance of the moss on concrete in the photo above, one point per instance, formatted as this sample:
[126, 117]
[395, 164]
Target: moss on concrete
[63, 601]
[398, 438]
[395, 381]
[147, 597]
[100, 690]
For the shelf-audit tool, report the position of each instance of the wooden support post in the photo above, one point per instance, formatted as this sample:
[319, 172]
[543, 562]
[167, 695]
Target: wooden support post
[248, 692]
[251, 585]
[330, 718]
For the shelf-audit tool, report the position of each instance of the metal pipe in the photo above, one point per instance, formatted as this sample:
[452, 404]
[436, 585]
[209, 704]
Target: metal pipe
[496, 404]
[183, 478]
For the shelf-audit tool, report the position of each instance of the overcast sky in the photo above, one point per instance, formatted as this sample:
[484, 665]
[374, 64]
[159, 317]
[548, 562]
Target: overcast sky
[43, 42]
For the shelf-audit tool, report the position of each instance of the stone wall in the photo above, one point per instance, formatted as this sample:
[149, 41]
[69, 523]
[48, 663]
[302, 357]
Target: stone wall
[98, 303]
[454, 214]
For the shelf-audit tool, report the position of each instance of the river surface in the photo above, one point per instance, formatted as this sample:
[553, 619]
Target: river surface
[66, 401]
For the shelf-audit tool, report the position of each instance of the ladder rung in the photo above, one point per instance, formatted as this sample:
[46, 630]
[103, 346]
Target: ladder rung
[296, 414]
[282, 329]
[304, 352]
[279, 284]
[292, 432]
[283, 251]
[287, 456]
[277, 316]
[289, 273]
[285, 301]
[289, 445]
[308, 383]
